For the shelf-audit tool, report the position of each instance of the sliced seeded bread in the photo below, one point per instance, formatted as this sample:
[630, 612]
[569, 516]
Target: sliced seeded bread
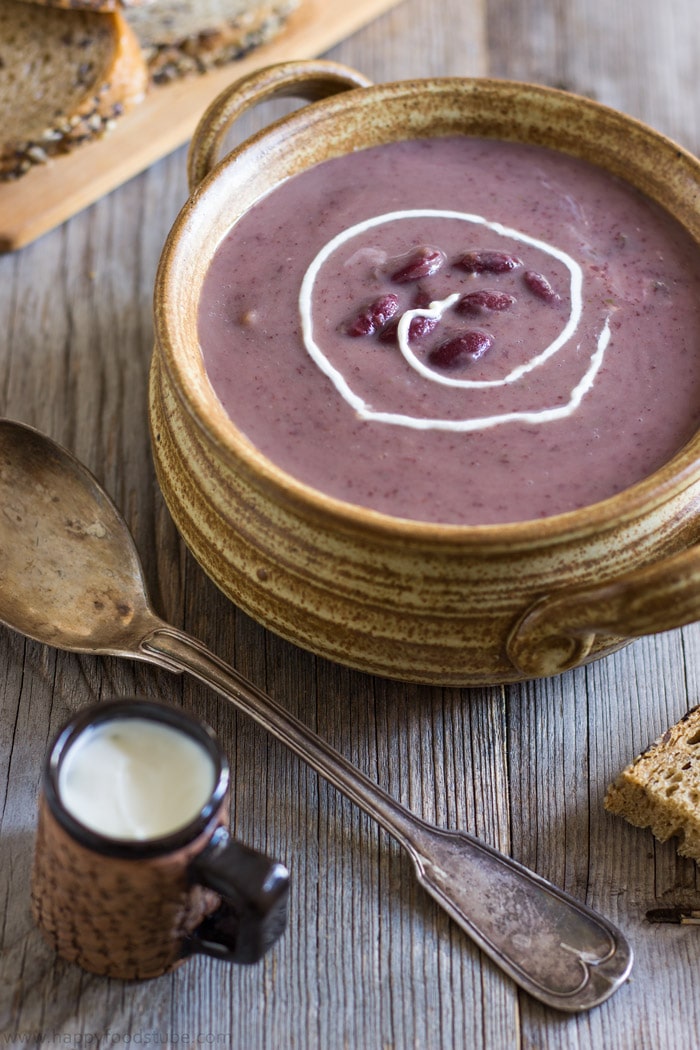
[661, 788]
[65, 75]
[179, 37]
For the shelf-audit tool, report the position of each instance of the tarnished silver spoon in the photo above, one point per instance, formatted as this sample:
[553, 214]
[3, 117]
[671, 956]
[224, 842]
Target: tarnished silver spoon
[70, 577]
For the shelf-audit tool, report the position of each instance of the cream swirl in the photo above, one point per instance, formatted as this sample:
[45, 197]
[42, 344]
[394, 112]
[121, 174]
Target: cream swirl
[436, 310]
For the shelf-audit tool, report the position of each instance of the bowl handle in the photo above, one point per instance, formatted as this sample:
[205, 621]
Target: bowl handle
[311, 80]
[558, 631]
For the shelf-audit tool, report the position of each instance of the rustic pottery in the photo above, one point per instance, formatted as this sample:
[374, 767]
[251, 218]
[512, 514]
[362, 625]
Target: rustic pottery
[450, 605]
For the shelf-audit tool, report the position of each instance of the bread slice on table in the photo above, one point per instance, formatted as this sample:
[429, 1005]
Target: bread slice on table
[660, 789]
[181, 37]
[65, 75]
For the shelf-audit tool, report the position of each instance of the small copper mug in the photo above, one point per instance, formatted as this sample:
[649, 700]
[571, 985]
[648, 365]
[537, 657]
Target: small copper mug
[134, 909]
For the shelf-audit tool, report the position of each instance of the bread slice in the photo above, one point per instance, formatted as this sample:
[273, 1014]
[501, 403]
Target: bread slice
[64, 77]
[661, 788]
[88, 5]
[180, 37]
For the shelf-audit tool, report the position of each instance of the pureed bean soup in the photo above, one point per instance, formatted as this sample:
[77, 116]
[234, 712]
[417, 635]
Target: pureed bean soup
[457, 330]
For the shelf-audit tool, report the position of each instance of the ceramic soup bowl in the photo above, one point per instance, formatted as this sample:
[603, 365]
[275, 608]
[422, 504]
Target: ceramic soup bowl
[442, 604]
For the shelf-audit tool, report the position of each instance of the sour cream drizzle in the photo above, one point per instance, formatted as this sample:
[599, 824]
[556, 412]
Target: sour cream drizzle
[437, 309]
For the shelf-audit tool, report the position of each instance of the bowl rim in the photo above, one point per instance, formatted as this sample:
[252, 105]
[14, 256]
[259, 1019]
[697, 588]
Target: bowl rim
[219, 430]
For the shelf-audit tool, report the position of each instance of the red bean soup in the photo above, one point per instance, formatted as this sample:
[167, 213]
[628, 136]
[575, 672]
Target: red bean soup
[457, 330]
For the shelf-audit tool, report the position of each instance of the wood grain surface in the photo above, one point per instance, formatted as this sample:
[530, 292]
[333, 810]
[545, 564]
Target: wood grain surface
[369, 962]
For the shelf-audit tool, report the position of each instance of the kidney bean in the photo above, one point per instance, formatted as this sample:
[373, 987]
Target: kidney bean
[540, 286]
[485, 261]
[472, 344]
[422, 262]
[373, 316]
[483, 300]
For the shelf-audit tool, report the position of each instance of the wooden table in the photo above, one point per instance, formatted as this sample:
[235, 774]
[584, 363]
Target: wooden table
[368, 960]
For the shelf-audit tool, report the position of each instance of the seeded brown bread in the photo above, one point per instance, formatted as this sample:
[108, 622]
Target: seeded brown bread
[65, 75]
[180, 37]
[660, 789]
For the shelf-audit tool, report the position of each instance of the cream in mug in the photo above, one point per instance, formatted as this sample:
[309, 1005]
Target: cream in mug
[135, 778]
[457, 330]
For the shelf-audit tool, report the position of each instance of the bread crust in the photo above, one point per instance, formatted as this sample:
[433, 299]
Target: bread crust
[88, 5]
[660, 789]
[172, 50]
[118, 88]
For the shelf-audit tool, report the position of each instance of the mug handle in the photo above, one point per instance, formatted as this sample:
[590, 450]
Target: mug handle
[311, 80]
[557, 632]
[254, 891]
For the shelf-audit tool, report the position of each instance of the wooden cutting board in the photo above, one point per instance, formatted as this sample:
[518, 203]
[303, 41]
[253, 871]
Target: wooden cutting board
[49, 194]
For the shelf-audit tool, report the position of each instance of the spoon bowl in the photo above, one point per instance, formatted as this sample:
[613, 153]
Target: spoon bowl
[70, 573]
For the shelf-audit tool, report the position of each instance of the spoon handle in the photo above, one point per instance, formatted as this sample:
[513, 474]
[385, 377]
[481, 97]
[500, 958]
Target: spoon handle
[556, 948]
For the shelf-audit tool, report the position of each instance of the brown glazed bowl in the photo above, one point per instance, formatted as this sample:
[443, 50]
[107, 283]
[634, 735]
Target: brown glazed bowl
[440, 604]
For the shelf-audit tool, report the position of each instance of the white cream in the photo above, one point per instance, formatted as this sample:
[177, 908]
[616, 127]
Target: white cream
[436, 309]
[135, 778]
